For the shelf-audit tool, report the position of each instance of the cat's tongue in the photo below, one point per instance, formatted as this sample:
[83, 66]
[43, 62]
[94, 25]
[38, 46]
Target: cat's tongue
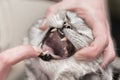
[49, 51]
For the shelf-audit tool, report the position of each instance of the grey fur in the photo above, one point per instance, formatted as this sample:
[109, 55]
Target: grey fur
[66, 69]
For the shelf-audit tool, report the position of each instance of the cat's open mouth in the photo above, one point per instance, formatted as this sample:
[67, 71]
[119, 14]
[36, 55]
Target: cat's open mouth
[65, 30]
[56, 45]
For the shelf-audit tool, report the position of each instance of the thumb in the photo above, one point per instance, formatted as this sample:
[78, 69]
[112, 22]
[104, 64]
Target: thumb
[17, 54]
[108, 54]
[91, 51]
[54, 9]
[86, 53]
[50, 11]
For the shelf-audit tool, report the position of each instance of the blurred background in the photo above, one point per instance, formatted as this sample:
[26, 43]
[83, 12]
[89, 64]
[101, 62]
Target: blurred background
[114, 11]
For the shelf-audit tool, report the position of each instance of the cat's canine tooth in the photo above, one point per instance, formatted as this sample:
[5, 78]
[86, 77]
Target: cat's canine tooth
[63, 39]
[39, 46]
[53, 30]
[66, 52]
[45, 52]
[64, 48]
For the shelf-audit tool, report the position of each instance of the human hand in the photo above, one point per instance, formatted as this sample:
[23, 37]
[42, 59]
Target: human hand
[15, 55]
[93, 12]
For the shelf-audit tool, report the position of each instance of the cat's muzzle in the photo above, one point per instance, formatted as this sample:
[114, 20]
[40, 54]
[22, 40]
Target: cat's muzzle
[66, 34]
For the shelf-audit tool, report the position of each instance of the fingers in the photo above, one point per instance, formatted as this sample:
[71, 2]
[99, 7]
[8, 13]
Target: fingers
[4, 73]
[108, 55]
[14, 55]
[99, 31]
[87, 53]
[97, 24]
[54, 9]
[48, 13]
[93, 50]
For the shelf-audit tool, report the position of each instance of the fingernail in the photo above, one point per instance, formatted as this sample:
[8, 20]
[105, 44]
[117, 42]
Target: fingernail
[79, 57]
[44, 25]
[103, 66]
[38, 50]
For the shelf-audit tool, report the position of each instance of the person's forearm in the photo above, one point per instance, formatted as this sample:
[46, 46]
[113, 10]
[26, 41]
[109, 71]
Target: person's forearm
[14, 55]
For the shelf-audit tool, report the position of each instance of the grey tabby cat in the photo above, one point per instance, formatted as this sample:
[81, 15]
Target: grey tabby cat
[66, 34]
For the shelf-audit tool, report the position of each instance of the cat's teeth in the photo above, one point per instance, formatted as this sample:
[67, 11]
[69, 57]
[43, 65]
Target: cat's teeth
[53, 30]
[45, 52]
[66, 52]
[64, 48]
[63, 39]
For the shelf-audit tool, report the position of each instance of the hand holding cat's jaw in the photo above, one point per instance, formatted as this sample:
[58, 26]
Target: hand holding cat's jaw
[14, 55]
[17, 54]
